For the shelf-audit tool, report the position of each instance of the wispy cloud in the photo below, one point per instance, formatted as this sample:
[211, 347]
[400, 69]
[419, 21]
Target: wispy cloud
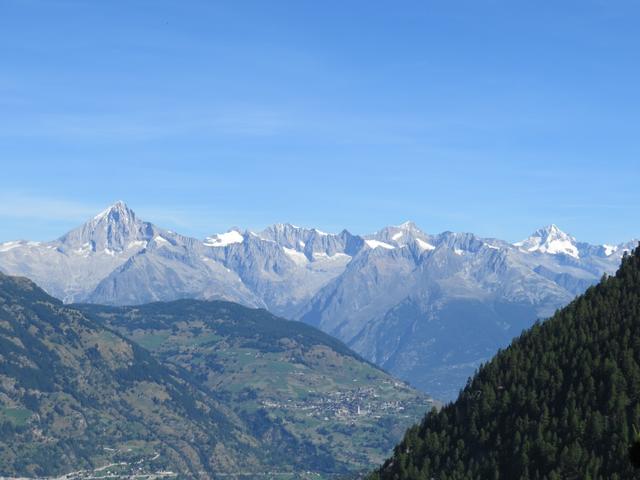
[24, 206]
[128, 126]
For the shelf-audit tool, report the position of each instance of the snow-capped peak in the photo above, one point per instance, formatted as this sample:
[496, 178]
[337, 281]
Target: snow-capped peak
[116, 218]
[550, 240]
[113, 230]
[400, 235]
[407, 228]
[224, 239]
[118, 210]
[408, 225]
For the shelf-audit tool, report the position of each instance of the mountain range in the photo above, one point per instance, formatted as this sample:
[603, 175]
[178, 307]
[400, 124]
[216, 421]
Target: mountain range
[429, 308]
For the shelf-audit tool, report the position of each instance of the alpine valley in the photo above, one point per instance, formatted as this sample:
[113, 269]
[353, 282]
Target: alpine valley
[186, 389]
[428, 308]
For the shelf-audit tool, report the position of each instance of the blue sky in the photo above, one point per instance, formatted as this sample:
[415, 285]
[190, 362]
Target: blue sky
[494, 117]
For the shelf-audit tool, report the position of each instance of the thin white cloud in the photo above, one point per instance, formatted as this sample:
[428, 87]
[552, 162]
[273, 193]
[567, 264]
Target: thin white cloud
[243, 122]
[25, 206]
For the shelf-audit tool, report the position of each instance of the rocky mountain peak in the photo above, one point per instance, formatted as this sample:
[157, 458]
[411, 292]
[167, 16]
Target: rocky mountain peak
[112, 230]
[408, 226]
[551, 232]
[292, 236]
[117, 214]
[552, 240]
[397, 235]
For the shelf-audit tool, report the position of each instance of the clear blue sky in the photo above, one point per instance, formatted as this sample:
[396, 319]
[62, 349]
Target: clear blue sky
[494, 117]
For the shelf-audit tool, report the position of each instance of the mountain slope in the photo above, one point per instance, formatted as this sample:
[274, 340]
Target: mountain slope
[559, 403]
[72, 391]
[229, 389]
[304, 393]
[167, 271]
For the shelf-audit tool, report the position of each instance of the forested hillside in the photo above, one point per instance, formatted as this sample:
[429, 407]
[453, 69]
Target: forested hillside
[74, 395]
[560, 403]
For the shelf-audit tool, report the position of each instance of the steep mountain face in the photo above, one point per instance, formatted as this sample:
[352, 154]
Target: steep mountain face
[304, 393]
[285, 265]
[428, 308]
[74, 395]
[167, 270]
[562, 402]
[112, 230]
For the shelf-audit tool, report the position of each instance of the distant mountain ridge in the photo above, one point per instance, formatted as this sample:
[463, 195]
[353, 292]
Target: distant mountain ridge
[428, 308]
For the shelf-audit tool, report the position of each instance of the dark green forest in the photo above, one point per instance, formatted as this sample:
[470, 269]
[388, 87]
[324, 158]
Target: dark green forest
[561, 402]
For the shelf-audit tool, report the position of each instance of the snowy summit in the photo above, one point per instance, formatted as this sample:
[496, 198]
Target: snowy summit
[550, 240]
